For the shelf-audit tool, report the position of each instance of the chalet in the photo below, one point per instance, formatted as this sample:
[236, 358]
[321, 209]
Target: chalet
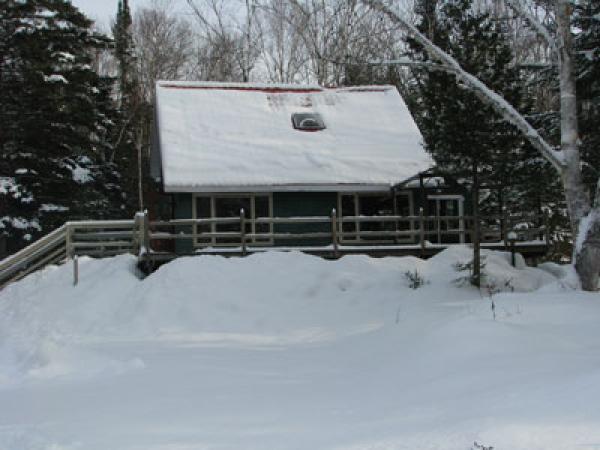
[247, 167]
[279, 151]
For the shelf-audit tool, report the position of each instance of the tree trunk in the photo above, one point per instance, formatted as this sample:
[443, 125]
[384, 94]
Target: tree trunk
[587, 260]
[578, 201]
[585, 221]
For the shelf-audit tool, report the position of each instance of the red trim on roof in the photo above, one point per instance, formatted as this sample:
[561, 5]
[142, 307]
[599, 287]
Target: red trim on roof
[275, 90]
[238, 88]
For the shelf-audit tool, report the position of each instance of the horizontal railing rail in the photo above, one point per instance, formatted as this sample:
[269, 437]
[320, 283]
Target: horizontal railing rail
[421, 230]
[138, 236]
[73, 239]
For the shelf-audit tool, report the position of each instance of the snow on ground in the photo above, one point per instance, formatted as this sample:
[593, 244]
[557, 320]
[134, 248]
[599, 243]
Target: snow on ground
[289, 351]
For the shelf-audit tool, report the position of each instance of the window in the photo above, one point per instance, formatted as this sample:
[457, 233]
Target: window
[374, 204]
[255, 206]
[308, 121]
[446, 230]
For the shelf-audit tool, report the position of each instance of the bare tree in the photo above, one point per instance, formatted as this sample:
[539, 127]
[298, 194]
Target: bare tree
[284, 55]
[584, 215]
[164, 45]
[231, 37]
[338, 33]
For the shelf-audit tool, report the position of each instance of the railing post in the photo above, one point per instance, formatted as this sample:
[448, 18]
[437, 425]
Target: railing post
[547, 230]
[69, 241]
[75, 270]
[422, 231]
[334, 237]
[144, 232]
[70, 252]
[243, 231]
[505, 226]
[135, 239]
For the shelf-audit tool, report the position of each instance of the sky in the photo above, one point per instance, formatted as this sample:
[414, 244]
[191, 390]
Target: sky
[103, 11]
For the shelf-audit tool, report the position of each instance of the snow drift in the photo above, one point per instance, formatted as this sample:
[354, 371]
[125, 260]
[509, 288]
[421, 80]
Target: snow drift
[289, 351]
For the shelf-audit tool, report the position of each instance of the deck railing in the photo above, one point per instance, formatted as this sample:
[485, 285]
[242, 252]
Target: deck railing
[336, 233]
[73, 239]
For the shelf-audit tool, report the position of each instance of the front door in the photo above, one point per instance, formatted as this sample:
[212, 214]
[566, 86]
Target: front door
[448, 225]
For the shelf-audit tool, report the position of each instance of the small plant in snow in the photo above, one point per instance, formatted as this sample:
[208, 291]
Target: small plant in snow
[477, 446]
[468, 267]
[415, 279]
[492, 289]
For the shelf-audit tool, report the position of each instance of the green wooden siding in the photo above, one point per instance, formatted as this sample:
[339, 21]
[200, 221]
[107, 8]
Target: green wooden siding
[290, 204]
[182, 209]
[296, 204]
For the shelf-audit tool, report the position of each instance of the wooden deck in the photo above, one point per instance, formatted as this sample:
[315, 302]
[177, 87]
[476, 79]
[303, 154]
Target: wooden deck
[376, 236]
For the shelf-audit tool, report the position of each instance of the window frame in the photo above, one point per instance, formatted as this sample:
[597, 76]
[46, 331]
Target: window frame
[315, 116]
[356, 200]
[249, 220]
[461, 214]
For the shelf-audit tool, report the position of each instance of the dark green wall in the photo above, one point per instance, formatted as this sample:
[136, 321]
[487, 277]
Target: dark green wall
[419, 196]
[182, 209]
[288, 204]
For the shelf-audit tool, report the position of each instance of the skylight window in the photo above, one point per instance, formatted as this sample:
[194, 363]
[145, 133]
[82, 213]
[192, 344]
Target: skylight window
[308, 121]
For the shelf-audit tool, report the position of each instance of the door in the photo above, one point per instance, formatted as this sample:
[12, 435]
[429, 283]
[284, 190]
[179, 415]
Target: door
[448, 225]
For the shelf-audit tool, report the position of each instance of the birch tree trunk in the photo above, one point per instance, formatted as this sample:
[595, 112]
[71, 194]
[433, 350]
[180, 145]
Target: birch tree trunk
[584, 217]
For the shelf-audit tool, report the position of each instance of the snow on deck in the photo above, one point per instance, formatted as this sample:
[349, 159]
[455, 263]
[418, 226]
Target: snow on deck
[240, 136]
[291, 352]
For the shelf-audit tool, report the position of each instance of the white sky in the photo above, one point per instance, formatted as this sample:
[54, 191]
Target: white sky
[103, 11]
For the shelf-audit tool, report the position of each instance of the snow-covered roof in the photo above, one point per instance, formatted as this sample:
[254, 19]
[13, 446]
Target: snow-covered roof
[240, 137]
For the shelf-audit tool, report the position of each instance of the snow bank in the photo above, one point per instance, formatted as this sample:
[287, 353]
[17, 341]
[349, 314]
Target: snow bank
[289, 351]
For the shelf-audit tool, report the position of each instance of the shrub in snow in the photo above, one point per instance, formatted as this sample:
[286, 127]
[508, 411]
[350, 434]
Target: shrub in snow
[470, 278]
[415, 279]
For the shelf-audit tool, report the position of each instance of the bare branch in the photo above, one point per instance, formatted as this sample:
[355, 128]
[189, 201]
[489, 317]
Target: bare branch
[411, 63]
[539, 27]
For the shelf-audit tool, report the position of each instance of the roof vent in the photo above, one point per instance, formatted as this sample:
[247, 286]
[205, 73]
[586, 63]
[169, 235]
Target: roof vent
[308, 121]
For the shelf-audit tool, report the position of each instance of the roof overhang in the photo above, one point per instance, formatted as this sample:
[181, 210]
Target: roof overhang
[282, 188]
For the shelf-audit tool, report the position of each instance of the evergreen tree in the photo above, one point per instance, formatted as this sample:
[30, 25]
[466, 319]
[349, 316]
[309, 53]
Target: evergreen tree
[587, 20]
[460, 132]
[133, 112]
[55, 116]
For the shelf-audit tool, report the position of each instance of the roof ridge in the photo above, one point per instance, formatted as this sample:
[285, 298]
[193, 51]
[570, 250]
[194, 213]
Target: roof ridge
[267, 87]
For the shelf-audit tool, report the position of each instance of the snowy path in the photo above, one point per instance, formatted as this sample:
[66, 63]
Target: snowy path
[344, 356]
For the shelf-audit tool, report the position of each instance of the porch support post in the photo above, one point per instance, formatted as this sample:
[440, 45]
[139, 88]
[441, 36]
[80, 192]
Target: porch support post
[476, 230]
[334, 236]
[395, 212]
[145, 232]
[243, 231]
[505, 226]
[547, 230]
[422, 191]
[422, 231]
